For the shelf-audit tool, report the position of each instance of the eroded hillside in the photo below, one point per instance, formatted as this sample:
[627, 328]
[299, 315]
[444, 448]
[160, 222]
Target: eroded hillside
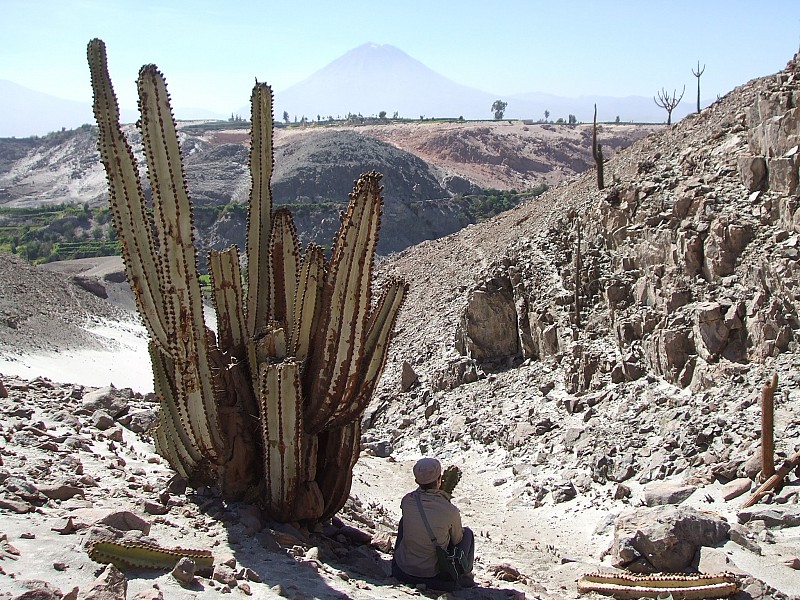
[686, 276]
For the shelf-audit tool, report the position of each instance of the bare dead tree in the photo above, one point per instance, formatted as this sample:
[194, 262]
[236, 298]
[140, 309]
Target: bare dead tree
[597, 152]
[667, 102]
[697, 74]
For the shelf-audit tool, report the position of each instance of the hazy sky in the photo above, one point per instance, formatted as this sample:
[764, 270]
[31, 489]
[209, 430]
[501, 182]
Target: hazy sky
[211, 50]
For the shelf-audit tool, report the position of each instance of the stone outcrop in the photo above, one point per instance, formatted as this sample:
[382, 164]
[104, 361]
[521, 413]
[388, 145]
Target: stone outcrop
[665, 538]
[666, 258]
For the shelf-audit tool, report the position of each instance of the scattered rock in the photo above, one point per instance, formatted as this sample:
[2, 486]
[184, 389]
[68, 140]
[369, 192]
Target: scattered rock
[110, 585]
[110, 399]
[184, 570]
[660, 493]
[737, 487]
[772, 516]
[224, 575]
[408, 377]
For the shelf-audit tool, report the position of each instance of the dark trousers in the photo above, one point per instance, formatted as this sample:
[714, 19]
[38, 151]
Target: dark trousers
[440, 581]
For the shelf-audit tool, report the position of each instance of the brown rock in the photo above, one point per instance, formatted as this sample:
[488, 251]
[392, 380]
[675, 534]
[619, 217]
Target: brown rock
[155, 508]
[408, 377]
[488, 328]
[710, 329]
[737, 487]
[753, 171]
[111, 585]
[60, 491]
[124, 520]
[18, 506]
[783, 175]
[225, 575]
[184, 570]
[101, 420]
[661, 493]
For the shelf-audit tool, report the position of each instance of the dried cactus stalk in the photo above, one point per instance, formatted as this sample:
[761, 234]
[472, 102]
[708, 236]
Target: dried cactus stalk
[282, 426]
[450, 479]
[768, 427]
[141, 555]
[227, 295]
[259, 216]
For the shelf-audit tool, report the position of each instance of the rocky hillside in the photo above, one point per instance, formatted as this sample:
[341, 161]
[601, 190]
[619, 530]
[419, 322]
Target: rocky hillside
[618, 336]
[432, 171]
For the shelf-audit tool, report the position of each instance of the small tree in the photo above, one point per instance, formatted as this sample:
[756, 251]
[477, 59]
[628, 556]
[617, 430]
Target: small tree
[286, 117]
[382, 115]
[572, 119]
[546, 115]
[697, 74]
[616, 120]
[499, 108]
[667, 102]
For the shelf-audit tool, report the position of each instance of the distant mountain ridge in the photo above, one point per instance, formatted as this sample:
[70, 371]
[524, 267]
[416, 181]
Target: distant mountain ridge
[373, 78]
[25, 112]
[366, 80]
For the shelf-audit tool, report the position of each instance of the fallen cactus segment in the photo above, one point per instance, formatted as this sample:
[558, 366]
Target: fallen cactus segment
[268, 409]
[141, 555]
[685, 587]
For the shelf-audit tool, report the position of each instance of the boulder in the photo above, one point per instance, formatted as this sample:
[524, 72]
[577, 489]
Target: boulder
[664, 539]
[723, 246]
[783, 175]
[753, 171]
[184, 570]
[110, 585]
[660, 493]
[710, 330]
[109, 399]
[488, 329]
[140, 421]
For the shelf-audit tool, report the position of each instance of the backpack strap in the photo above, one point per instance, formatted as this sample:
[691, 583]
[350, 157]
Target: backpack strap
[418, 498]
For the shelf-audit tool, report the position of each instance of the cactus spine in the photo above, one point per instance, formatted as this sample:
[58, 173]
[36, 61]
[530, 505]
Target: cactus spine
[269, 409]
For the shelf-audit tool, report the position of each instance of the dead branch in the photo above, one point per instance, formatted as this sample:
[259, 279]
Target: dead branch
[773, 482]
[768, 428]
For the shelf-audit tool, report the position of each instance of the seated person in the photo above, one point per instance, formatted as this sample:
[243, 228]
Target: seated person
[415, 558]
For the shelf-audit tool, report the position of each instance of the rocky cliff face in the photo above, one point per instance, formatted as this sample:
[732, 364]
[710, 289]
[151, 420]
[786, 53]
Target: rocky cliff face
[619, 333]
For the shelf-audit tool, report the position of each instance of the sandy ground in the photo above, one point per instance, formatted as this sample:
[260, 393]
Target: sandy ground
[125, 364]
[551, 546]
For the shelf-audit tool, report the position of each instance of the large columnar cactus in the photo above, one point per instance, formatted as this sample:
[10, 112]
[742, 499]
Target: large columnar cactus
[268, 409]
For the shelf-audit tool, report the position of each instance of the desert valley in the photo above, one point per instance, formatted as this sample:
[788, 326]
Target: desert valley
[594, 361]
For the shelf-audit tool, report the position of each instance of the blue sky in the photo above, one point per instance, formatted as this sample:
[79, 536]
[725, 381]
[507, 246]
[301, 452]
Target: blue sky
[211, 51]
